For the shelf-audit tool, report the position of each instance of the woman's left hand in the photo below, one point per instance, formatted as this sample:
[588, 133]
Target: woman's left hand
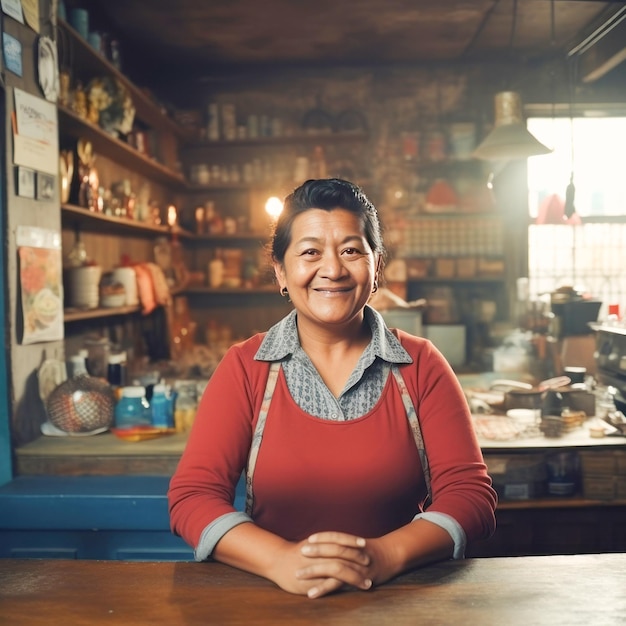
[341, 559]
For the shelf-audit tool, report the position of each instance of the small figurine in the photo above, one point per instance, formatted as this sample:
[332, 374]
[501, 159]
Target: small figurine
[79, 103]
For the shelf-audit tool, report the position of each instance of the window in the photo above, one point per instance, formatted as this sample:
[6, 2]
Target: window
[588, 251]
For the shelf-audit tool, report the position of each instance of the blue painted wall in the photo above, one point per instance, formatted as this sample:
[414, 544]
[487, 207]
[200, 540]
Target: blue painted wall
[5, 435]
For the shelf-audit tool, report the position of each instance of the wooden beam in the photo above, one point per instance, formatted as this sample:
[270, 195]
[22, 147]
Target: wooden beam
[603, 49]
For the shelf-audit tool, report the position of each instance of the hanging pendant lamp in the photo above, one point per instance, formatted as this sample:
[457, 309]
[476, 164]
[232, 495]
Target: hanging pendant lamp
[509, 139]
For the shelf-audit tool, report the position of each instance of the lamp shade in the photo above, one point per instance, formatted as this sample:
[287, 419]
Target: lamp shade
[509, 138]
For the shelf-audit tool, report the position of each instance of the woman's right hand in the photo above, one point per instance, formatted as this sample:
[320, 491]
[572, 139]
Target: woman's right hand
[344, 563]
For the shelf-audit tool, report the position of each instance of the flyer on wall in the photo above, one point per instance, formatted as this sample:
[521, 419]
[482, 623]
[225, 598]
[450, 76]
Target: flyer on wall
[35, 135]
[41, 284]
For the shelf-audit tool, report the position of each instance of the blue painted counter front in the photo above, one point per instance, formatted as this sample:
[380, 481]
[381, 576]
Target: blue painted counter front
[90, 517]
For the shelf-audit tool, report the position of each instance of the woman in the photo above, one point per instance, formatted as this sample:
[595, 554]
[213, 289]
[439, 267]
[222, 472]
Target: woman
[345, 486]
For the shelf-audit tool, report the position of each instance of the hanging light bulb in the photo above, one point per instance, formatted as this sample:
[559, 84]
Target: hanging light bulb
[509, 139]
[273, 207]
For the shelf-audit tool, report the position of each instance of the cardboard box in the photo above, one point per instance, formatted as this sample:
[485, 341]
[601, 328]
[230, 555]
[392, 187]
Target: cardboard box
[466, 267]
[603, 462]
[445, 268]
[449, 339]
[418, 268]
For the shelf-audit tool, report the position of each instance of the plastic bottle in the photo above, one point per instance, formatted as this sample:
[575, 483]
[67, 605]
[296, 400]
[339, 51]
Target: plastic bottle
[613, 317]
[132, 409]
[161, 406]
[78, 364]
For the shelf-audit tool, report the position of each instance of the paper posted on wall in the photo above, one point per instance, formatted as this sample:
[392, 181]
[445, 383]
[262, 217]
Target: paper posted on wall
[35, 133]
[41, 284]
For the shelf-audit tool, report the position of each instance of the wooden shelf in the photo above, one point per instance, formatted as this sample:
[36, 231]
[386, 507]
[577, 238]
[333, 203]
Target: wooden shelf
[116, 150]
[244, 238]
[577, 502]
[217, 187]
[458, 215]
[456, 279]
[76, 315]
[89, 220]
[89, 60]
[232, 291]
[327, 138]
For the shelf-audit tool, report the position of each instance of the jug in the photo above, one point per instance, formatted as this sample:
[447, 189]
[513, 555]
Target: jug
[162, 406]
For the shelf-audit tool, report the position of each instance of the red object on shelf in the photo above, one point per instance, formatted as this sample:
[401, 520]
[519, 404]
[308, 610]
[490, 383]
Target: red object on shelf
[614, 310]
[441, 197]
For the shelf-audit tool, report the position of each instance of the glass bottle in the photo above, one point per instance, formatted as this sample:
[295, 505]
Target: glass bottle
[116, 370]
[77, 256]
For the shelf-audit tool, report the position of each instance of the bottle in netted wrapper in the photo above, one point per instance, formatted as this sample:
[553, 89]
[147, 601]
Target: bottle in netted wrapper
[81, 404]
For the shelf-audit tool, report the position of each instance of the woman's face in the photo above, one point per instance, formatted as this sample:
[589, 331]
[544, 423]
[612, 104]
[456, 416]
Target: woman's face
[329, 268]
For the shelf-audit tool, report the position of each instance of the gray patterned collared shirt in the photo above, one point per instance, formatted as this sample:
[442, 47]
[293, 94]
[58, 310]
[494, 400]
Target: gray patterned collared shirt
[365, 385]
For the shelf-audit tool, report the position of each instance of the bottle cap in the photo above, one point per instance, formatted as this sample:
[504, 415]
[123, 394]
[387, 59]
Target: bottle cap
[117, 358]
[134, 392]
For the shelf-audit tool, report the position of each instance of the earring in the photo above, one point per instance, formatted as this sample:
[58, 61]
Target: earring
[285, 294]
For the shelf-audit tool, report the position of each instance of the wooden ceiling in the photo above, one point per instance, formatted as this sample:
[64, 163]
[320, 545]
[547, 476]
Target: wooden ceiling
[196, 36]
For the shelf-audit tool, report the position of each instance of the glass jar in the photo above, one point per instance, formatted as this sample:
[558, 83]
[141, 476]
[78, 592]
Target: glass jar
[185, 405]
[132, 409]
[563, 473]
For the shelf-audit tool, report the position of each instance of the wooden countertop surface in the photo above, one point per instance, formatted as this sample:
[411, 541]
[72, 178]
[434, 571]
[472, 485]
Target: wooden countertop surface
[106, 454]
[102, 455]
[551, 590]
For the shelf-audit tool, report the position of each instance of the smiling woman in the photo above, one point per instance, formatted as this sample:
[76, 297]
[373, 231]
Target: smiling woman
[346, 486]
[328, 255]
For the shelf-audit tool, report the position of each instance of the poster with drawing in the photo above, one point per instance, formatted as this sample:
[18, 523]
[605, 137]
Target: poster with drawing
[35, 133]
[41, 284]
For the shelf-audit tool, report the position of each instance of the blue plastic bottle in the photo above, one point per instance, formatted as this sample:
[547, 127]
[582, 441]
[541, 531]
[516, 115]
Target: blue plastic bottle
[162, 407]
[132, 409]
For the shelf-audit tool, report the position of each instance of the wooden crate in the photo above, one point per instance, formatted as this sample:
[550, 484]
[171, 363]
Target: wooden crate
[466, 267]
[604, 487]
[603, 462]
[445, 268]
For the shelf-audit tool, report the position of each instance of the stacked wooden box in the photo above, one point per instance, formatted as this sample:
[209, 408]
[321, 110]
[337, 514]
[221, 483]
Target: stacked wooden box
[604, 474]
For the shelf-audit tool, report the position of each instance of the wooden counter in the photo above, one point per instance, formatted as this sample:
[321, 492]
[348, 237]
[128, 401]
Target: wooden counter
[552, 590]
[105, 454]
[101, 475]
[102, 455]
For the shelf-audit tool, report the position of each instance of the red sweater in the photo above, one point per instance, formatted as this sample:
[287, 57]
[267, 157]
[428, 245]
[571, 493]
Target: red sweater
[360, 476]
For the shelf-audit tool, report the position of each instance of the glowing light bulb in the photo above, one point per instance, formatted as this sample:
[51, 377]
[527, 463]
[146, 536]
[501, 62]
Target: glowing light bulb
[172, 215]
[273, 207]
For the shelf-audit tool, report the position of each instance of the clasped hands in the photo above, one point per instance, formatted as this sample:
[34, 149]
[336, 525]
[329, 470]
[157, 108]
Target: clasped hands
[328, 561]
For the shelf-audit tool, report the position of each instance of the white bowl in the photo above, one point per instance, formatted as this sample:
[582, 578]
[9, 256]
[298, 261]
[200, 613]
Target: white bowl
[524, 416]
[113, 300]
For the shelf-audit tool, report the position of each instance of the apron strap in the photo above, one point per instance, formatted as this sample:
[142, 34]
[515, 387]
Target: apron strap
[260, 427]
[270, 385]
[411, 414]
